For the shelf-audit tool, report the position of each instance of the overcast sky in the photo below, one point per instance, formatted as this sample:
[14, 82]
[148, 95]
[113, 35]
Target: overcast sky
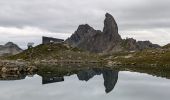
[23, 21]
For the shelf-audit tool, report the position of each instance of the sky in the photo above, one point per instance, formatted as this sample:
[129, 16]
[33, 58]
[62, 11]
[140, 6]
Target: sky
[23, 21]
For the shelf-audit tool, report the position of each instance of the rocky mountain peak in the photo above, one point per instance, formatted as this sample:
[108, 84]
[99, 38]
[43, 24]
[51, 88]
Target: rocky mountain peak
[83, 32]
[9, 49]
[84, 27]
[12, 45]
[87, 38]
[9, 44]
[110, 26]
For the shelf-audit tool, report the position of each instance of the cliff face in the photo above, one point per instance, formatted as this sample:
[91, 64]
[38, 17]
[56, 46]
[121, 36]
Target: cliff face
[93, 40]
[111, 28]
[9, 49]
[109, 40]
[82, 34]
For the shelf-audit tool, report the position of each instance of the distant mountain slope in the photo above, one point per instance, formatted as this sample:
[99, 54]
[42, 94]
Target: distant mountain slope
[9, 49]
[166, 46]
[131, 44]
[87, 38]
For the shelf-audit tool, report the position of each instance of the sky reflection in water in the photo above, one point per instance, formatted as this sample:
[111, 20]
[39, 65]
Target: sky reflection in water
[129, 86]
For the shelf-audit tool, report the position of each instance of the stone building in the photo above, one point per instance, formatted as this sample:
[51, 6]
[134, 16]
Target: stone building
[46, 40]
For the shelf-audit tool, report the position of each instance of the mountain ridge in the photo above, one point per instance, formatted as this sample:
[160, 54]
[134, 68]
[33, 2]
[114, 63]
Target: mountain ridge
[9, 49]
[108, 40]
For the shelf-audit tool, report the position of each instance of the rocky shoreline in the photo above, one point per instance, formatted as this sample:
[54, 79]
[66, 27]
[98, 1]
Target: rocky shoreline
[21, 66]
[15, 66]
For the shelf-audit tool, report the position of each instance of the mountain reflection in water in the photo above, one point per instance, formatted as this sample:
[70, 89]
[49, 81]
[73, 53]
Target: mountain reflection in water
[110, 77]
[54, 74]
[86, 83]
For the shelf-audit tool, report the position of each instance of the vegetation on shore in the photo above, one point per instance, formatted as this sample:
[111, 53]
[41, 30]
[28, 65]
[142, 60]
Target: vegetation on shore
[61, 51]
[54, 51]
[154, 57]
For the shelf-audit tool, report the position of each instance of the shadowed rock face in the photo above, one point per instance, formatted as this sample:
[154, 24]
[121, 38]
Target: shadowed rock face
[93, 40]
[9, 49]
[82, 34]
[110, 27]
[109, 40]
[146, 44]
[131, 44]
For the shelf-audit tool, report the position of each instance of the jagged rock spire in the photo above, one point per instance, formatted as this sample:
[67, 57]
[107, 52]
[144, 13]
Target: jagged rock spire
[89, 39]
[110, 26]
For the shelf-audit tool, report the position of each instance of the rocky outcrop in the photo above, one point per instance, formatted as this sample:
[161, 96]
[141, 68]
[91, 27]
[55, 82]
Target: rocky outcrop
[131, 44]
[109, 40]
[83, 33]
[167, 46]
[93, 40]
[146, 44]
[9, 49]
[111, 28]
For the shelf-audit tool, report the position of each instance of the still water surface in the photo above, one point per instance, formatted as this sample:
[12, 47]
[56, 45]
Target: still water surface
[87, 85]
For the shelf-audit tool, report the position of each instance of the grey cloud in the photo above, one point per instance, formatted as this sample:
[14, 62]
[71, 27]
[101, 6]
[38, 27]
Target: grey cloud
[64, 16]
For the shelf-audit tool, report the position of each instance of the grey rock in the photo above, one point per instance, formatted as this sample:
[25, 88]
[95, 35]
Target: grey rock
[107, 41]
[146, 44]
[93, 40]
[110, 27]
[131, 44]
[82, 34]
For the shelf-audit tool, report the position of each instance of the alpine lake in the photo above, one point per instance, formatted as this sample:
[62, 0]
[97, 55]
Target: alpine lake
[86, 82]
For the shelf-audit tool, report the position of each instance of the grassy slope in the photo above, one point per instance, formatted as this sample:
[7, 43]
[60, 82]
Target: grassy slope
[65, 52]
[166, 46]
[53, 51]
[146, 57]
